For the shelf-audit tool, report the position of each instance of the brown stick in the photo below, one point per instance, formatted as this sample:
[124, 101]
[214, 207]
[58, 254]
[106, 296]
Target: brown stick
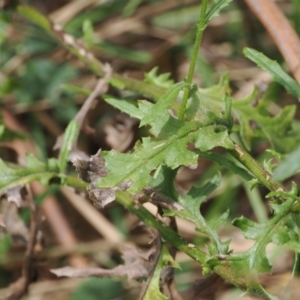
[283, 34]
[21, 285]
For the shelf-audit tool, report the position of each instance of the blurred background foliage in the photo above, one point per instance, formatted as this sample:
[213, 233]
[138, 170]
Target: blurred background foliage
[43, 86]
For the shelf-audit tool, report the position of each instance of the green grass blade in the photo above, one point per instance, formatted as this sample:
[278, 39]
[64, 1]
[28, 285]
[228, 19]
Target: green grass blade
[273, 68]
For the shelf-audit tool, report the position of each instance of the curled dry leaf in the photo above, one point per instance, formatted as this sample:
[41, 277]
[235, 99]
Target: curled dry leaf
[136, 265]
[118, 131]
[162, 200]
[91, 171]
[2, 224]
[204, 289]
[13, 224]
[14, 195]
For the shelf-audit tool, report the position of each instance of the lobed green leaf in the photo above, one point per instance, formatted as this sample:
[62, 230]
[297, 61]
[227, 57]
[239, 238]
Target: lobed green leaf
[274, 231]
[161, 80]
[163, 103]
[34, 170]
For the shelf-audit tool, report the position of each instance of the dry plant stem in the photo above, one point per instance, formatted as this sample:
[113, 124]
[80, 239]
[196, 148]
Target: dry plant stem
[50, 205]
[78, 49]
[100, 88]
[23, 282]
[165, 231]
[94, 217]
[58, 251]
[283, 34]
[158, 257]
[59, 225]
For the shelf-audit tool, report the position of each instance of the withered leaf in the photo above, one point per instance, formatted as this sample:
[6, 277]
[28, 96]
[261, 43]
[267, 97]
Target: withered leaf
[13, 223]
[14, 195]
[136, 265]
[91, 171]
[204, 289]
[2, 224]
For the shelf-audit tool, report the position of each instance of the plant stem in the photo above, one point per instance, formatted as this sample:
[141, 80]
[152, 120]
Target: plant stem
[166, 232]
[257, 170]
[75, 182]
[256, 203]
[97, 67]
[77, 48]
[200, 29]
[224, 270]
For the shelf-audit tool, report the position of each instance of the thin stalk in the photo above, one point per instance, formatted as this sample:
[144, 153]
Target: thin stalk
[257, 170]
[256, 203]
[77, 48]
[224, 269]
[166, 232]
[200, 29]
[75, 182]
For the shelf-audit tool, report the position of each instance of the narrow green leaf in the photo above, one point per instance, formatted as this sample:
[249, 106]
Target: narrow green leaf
[34, 170]
[126, 106]
[2, 129]
[163, 103]
[35, 16]
[227, 163]
[273, 68]
[5, 245]
[88, 33]
[131, 7]
[215, 9]
[70, 135]
[7, 134]
[164, 182]
[153, 288]
[289, 167]
[115, 50]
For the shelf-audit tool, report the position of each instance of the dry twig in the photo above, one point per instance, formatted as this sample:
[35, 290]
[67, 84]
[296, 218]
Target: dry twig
[283, 34]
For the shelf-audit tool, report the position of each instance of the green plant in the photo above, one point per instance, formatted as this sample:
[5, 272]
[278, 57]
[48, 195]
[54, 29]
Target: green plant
[206, 120]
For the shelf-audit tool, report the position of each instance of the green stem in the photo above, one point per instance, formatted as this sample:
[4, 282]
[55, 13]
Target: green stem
[257, 170]
[200, 29]
[296, 266]
[224, 270]
[76, 182]
[166, 232]
[256, 203]
[77, 48]
[153, 289]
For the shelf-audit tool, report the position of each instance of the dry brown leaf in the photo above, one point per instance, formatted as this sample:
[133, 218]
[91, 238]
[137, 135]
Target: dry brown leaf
[90, 171]
[204, 289]
[14, 195]
[2, 224]
[136, 265]
[119, 132]
[13, 224]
